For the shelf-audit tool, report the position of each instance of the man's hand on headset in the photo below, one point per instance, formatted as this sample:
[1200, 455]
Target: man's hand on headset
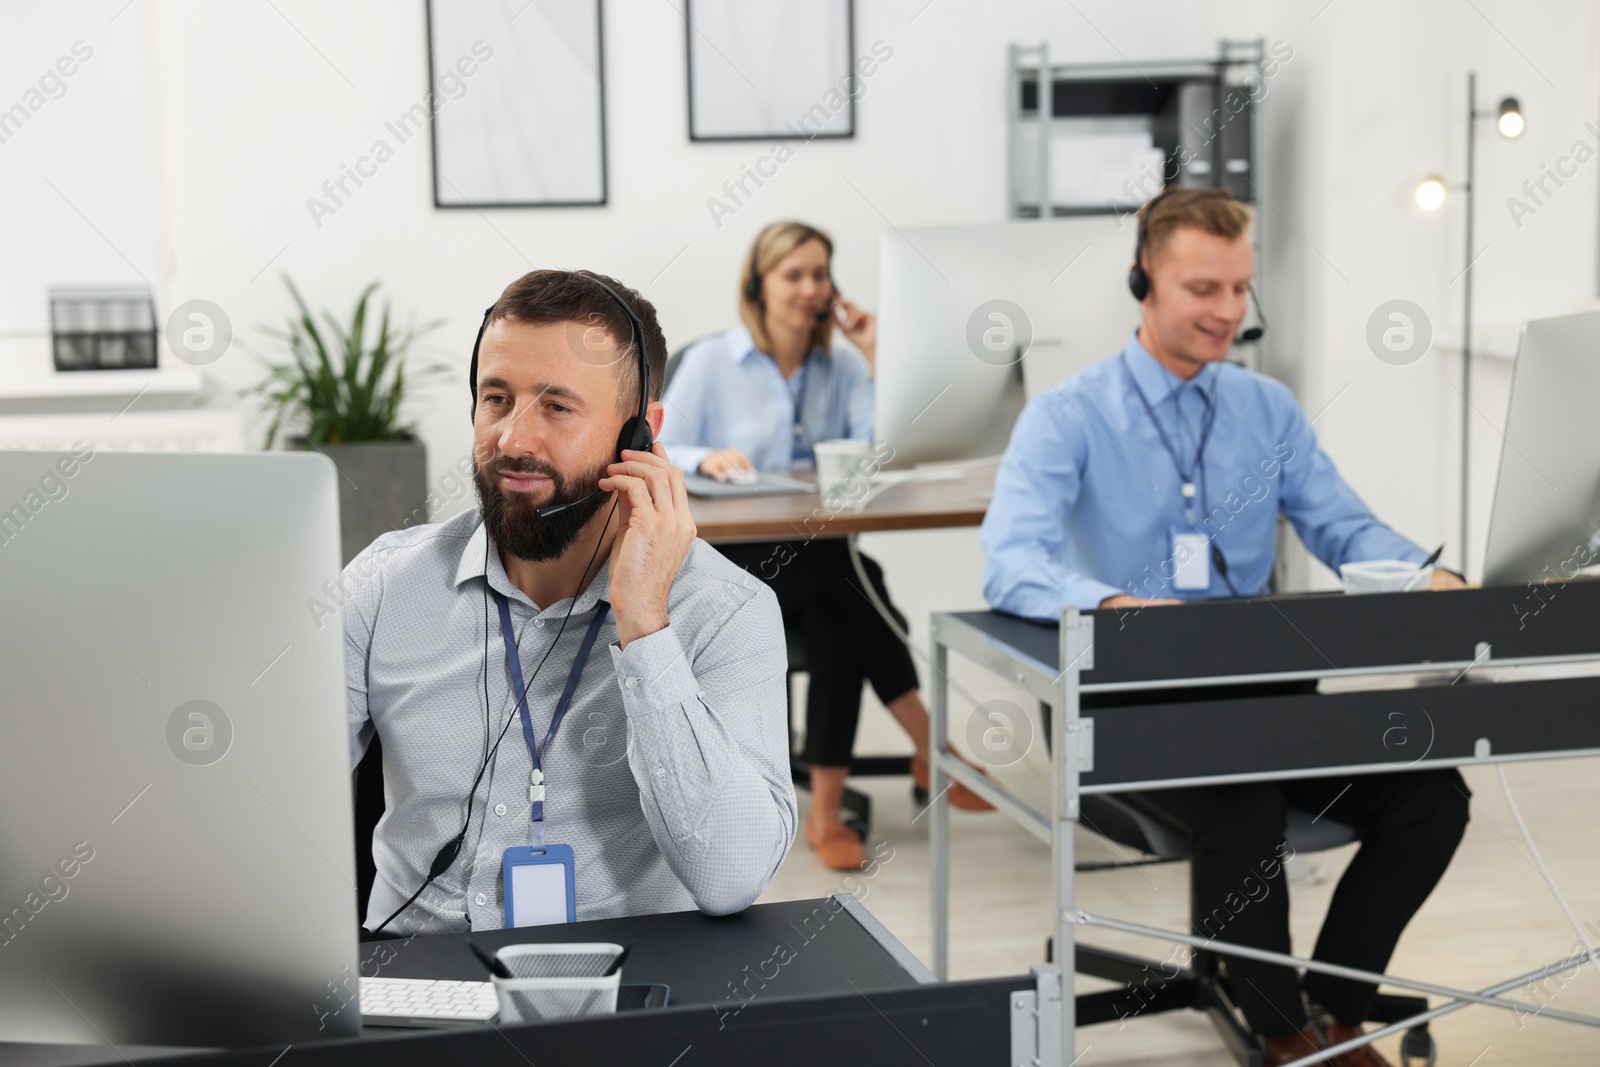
[655, 532]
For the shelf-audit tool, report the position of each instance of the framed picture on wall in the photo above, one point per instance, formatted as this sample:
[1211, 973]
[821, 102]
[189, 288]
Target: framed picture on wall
[765, 69]
[516, 91]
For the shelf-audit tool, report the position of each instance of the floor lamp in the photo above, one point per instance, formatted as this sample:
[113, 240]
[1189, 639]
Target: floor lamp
[1430, 196]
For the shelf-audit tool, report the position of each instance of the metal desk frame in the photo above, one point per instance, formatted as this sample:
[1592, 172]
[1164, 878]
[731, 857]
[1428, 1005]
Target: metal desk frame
[1072, 748]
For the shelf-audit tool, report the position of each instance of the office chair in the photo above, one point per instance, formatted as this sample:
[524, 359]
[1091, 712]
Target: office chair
[369, 805]
[1204, 986]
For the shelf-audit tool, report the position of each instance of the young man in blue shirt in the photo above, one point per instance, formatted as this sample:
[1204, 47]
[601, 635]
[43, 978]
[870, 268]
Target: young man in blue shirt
[1157, 476]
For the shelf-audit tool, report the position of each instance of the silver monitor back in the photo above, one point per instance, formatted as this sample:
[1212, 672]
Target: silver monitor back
[1545, 521]
[176, 861]
[950, 383]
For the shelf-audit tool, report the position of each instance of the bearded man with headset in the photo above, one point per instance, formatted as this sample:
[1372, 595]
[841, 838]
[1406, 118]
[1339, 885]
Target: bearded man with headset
[525, 784]
[1157, 476]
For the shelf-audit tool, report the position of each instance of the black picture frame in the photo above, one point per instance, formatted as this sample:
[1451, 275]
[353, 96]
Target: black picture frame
[604, 160]
[690, 33]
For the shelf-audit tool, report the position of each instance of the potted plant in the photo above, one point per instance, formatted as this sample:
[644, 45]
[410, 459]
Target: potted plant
[347, 387]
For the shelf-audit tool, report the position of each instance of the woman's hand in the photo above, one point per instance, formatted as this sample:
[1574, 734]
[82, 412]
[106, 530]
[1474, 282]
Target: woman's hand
[858, 325]
[654, 536]
[725, 463]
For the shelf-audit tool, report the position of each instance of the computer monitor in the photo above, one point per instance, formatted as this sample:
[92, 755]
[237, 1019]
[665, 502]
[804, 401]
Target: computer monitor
[958, 304]
[1545, 522]
[176, 858]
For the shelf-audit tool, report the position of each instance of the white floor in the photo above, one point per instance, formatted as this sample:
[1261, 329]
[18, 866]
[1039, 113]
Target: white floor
[1491, 918]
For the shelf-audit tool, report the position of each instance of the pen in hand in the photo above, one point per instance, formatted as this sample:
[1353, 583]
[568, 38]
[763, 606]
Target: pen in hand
[1422, 567]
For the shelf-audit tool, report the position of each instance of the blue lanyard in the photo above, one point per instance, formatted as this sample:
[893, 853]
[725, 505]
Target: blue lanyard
[798, 395]
[509, 637]
[1184, 477]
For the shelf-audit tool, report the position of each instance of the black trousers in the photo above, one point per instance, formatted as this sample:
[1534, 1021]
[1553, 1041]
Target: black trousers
[1409, 824]
[846, 641]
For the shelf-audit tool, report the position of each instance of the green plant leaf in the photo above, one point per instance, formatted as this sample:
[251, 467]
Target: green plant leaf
[341, 386]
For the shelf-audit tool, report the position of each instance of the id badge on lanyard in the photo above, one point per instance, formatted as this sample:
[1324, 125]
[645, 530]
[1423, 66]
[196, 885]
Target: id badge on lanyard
[538, 880]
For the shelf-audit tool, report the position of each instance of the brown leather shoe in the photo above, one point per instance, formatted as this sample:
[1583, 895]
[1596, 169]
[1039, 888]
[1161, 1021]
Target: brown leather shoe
[1365, 1056]
[959, 795]
[836, 845]
[1281, 1050]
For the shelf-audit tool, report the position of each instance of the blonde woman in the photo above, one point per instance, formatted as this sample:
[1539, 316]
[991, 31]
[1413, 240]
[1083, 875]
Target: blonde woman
[759, 397]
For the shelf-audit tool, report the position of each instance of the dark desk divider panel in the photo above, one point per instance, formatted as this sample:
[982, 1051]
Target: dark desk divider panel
[955, 1023]
[719, 963]
[1377, 729]
[1320, 632]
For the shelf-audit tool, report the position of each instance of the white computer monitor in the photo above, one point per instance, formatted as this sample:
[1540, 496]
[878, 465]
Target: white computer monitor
[176, 836]
[1545, 521]
[950, 383]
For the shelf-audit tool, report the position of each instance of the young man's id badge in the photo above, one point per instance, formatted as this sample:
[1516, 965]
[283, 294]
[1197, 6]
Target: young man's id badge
[1191, 560]
[538, 885]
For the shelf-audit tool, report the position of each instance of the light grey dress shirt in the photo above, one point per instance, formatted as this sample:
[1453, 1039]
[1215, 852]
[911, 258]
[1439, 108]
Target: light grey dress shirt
[669, 776]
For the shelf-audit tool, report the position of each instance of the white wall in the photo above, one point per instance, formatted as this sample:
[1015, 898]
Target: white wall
[198, 131]
[1375, 99]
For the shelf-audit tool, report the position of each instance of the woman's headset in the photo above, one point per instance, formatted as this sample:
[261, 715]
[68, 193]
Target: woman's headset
[752, 285]
[635, 433]
[1139, 278]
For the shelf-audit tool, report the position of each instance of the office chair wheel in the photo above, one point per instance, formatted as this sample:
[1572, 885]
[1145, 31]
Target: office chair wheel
[1417, 1048]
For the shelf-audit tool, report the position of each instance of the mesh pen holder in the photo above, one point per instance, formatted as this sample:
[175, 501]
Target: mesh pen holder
[557, 981]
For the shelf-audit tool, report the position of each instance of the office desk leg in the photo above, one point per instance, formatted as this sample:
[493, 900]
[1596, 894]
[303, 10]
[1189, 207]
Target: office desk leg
[939, 808]
[1065, 739]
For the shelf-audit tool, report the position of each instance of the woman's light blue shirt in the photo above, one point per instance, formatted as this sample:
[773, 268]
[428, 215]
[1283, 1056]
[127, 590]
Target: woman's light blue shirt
[726, 393]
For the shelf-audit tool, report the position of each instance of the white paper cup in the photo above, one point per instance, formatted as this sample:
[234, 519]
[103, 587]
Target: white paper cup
[840, 460]
[1385, 576]
[557, 981]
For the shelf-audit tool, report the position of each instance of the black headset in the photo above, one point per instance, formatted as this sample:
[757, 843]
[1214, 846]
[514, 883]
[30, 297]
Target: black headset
[635, 433]
[1139, 278]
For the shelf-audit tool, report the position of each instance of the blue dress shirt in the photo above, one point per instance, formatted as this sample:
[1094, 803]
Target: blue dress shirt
[1088, 496]
[726, 393]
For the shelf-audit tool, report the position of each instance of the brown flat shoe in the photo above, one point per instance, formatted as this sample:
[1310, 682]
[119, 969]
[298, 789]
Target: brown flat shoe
[1281, 1050]
[960, 796]
[1365, 1056]
[838, 847]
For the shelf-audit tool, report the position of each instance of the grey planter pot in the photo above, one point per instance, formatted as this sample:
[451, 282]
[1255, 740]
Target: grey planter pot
[383, 486]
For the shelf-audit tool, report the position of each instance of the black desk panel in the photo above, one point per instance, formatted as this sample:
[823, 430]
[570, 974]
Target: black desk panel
[1377, 729]
[949, 1023]
[798, 981]
[702, 958]
[1318, 632]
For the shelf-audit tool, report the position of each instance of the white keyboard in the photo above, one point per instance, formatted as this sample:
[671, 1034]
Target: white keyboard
[422, 1002]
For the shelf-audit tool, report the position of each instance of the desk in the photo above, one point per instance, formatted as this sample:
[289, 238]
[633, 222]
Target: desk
[921, 505]
[1209, 643]
[847, 992]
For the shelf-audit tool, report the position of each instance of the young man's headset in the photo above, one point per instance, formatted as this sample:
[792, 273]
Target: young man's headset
[1139, 286]
[635, 435]
[1139, 278]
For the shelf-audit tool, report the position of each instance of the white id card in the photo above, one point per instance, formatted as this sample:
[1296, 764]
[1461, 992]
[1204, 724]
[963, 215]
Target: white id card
[539, 886]
[1191, 559]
